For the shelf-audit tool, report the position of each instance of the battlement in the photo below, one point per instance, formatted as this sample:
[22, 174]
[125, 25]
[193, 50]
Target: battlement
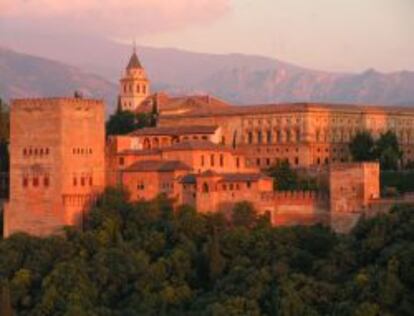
[292, 196]
[353, 165]
[51, 104]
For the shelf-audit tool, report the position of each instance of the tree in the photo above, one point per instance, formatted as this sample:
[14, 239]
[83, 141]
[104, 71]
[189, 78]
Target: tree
[362, 147]
[121, 123]
[5, 304]
[244, 214]
[284, 177]
[388, 151]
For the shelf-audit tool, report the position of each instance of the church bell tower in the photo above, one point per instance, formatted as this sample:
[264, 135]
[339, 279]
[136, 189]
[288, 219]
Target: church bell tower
[135, 86]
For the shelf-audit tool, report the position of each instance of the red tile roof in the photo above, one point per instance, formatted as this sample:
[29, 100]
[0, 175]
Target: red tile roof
[175, 130]
[157, 165]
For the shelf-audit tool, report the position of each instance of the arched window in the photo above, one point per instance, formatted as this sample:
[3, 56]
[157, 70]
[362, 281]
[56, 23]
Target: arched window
[147, 143]
[144, 89]
[138, 88]
[205, 188]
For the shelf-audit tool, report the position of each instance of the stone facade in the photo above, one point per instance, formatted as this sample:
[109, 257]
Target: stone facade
[134, 86]
[57, 163]
[307, 135]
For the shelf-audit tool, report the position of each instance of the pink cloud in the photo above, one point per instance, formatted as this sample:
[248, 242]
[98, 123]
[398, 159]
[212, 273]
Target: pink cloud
[115, 17]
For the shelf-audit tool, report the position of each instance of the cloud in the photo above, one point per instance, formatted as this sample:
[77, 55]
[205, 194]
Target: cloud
[115, 17]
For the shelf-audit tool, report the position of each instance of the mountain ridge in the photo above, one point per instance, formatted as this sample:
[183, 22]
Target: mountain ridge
[237, 78]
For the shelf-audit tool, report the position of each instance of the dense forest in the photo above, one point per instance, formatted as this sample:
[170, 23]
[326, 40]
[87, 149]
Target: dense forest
[145, 259]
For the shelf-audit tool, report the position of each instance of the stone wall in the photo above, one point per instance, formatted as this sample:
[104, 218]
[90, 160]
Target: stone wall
[57, 151]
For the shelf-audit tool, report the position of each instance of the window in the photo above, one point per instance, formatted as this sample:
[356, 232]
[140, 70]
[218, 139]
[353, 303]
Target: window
[224, 187]
[35, 181]
[90, 181]
[269, 137]
[24, 152]
[259, 137]
[121, 161]
[296, 160]
[83, 181]
[47, 151]
[75, 181]
[267, 161]
[231, 186]
[46, 181]
[248, 184]
[205, 188]
[25, 182]
[250, 138]
[138, 88]
[202, 160]
[258, 161]
[212, 160]
[221, 160]
[238, 162]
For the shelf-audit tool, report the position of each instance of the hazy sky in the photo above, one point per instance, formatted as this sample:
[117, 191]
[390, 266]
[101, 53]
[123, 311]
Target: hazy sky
[324, 34]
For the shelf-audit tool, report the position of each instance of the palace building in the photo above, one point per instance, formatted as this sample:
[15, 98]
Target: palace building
[204, 152]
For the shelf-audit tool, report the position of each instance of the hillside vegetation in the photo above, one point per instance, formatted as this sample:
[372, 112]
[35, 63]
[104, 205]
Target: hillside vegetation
[144, 259]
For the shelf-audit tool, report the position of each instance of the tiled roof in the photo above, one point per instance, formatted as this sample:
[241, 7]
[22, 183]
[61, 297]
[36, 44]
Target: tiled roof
[157, 165]
[242, 177]
[188, 179]
[195, 145]
[134, 62]
[175, 130]
[140, 152]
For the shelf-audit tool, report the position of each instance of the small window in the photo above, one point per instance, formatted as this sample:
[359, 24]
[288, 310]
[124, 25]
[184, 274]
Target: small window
[238, 162]
[202, 160]
[47, 151]
[90, 181]
[121, 161]
[35, 151]
[25, 182]
[231, 186]
[258, 161]
[212, 160]
[248, 184]
[24, 152]
[224, 187]
[46, 181]
[296, 160]
[221, 160]
[35, 181]
[75, 181]
[83, 181]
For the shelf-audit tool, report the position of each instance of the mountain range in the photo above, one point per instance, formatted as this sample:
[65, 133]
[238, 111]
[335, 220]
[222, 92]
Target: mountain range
[94, 66]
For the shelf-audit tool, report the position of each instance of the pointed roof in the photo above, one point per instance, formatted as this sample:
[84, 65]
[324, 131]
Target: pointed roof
[134, 61]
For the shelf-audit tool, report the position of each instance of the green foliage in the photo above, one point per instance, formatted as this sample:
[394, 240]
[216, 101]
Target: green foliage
[124, 122]
[362, 147]
[402, 181]
[287, 179]
[146, 259]
[386, 149]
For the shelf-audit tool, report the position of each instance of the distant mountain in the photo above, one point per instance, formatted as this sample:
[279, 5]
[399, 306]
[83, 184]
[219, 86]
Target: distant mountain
[23, 75]
[237, 78]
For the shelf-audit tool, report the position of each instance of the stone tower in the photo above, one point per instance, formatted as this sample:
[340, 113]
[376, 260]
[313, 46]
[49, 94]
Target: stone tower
[135, 86]
[56, 164]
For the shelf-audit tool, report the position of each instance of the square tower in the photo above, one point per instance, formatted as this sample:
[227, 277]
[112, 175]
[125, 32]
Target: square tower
[56, 163]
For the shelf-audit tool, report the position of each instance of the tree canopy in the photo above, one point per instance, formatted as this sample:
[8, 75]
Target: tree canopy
[386, 149]
[124, 122]
[288, 179]
[146, 259]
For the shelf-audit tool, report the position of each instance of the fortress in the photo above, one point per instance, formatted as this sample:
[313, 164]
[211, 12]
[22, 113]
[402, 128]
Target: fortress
[203, 152]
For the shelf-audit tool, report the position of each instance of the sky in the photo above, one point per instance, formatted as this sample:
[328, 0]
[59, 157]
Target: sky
[334, 35]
